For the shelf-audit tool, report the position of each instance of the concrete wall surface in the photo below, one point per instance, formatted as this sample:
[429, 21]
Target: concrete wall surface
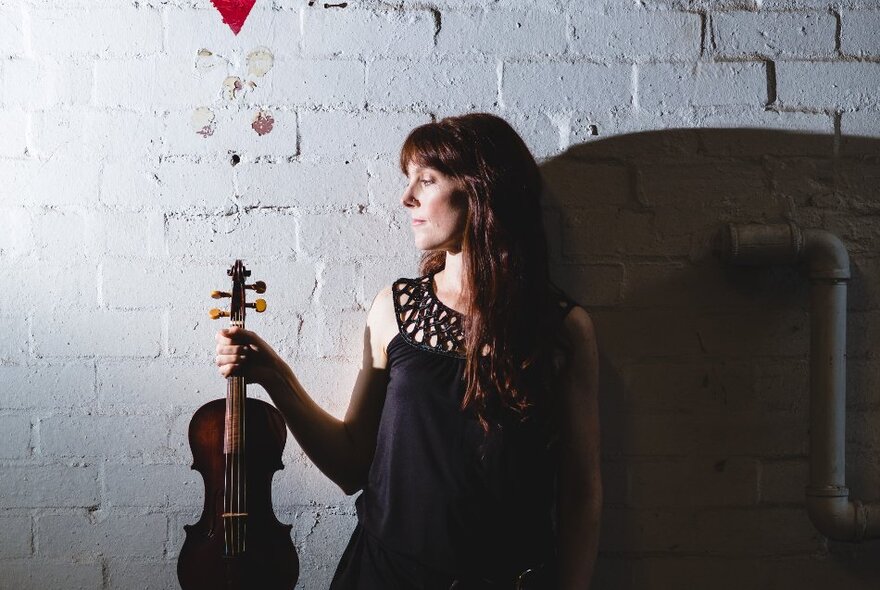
[144, 147]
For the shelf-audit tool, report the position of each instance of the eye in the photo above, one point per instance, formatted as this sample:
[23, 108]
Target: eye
[427, 181]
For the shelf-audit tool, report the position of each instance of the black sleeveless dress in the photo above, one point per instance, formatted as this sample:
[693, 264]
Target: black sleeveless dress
[442, 506]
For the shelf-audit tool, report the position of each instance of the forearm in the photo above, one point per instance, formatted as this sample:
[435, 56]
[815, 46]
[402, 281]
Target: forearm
[578, 531]
[322, 436]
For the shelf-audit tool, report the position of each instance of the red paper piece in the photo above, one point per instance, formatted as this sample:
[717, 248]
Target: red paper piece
[234, 12]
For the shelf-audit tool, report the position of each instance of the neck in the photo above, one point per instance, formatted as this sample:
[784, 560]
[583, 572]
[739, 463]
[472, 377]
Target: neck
[451, 278]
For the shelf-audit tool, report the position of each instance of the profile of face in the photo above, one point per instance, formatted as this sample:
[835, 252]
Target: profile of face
[437, 205]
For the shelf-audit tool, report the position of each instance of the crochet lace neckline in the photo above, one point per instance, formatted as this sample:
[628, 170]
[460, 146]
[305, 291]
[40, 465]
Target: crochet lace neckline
[424, 321]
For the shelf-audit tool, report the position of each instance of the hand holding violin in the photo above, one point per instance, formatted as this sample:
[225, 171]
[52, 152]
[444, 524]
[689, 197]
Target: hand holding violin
[243, 352]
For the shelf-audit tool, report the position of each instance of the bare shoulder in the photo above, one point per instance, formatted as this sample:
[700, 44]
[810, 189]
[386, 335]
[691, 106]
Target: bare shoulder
[381, 325]
[578, 329]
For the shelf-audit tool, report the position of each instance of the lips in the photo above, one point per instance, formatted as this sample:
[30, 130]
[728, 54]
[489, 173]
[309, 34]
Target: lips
[418, 221]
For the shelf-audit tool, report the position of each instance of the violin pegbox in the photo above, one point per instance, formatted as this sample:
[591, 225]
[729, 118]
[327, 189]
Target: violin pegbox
[238, 304]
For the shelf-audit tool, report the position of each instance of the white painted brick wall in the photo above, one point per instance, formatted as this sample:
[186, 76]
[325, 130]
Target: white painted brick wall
[117, 219]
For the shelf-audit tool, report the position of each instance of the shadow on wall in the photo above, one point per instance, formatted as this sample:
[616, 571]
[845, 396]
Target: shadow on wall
[704, 366]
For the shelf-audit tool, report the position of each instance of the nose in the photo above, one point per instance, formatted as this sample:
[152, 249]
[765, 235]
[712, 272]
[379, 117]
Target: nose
[407, 199]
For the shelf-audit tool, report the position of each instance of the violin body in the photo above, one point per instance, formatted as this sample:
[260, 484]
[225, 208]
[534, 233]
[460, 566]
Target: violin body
[269, 561]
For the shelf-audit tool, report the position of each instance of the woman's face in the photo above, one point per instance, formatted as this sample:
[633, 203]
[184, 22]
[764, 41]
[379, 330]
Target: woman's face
[437, 207]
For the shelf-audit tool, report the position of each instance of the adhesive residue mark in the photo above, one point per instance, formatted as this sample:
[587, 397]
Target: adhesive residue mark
[259, 61]
[263, 122]
[205, 60]
[232, 87]
[203, 121]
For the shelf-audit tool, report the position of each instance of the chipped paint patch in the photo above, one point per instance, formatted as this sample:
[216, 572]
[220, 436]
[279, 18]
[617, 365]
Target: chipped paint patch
[259, 61]
[263, 122]
[202, 121]
[232, 87]
[205, 60]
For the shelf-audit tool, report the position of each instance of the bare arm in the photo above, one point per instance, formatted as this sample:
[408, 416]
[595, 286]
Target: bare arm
[579, 503]
[341, 449]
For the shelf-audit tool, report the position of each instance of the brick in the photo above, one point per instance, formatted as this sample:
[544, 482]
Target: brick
[432, 83]
[743, 532]
[48, 486]
[591, 284]
[803, 571]
[719, 573]
[15, 346]
[712, 481]
[842, 85]
[541, 132]
[731, 433]
[328, 185]
[342, 134]
[198, 186]
[14, 125]
[301, 483]
[26, 574]
[339, 287]
[318, 82]
[574, 183]
[340, 334]
[15, 443]
[96, 332]
[87, 538]
[123, 233]
[704, 387]
[47, 83]
[135, 31]
[153, 486]
[565, 85]
[346, 237]
[17, 539]
[189, 387]
[610, 232]
[685, 186]
[91, 135]
[662, 86]
[132, 436]
[775, 34]
[503, 32]
[353, 33]
[757, 132]
[124, 574]
[16, 233]
[858, 33]
[859, 131]
[47, 386]
[11, 29]
[141, 85]
[55, 182]
[784, 481]
[637, 34]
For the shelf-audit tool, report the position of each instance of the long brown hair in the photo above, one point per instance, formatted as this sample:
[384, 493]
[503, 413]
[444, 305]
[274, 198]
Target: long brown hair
[507, 303]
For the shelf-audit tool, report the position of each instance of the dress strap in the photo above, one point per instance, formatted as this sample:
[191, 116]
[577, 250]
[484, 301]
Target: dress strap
[425, 322]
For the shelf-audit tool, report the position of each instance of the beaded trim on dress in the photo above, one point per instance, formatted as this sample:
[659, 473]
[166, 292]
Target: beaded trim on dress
[424, 321]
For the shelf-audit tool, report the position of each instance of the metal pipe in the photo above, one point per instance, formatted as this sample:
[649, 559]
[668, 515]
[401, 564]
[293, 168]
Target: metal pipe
[826, 263]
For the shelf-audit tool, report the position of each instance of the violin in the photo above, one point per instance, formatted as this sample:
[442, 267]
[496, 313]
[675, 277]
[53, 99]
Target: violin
[236, 442]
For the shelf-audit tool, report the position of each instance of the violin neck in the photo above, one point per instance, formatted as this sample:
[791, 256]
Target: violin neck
[236, 392]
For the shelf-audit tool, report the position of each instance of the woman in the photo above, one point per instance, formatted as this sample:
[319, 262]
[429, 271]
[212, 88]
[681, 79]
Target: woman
[473, 425]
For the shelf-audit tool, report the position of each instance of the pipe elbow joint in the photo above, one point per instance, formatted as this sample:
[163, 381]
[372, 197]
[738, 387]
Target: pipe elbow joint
[836, 516]
[825, 255]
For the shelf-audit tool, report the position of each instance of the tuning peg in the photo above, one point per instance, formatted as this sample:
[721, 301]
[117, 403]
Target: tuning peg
[259, 305]
[220, 294]
[259, 287]
[216, 313]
